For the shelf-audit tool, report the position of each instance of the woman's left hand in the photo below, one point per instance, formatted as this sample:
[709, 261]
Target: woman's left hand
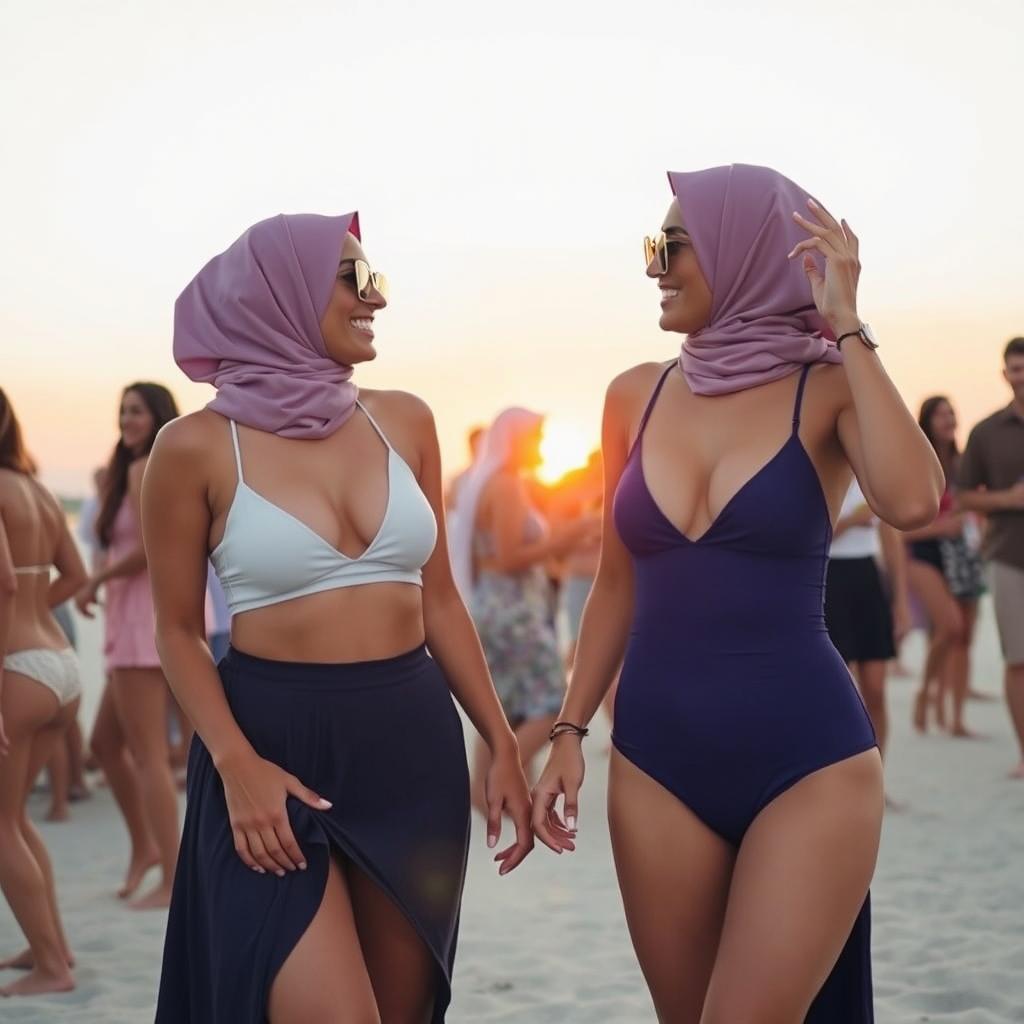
[506, 791]
[835, 291]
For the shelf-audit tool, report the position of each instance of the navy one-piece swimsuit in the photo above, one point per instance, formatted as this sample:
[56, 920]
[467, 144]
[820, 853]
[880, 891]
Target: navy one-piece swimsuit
[731, 690]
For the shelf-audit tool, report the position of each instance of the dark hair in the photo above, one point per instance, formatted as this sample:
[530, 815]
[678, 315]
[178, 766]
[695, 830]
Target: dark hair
[948, 454]
[160, 402]
[1014, 347]
[13, 454]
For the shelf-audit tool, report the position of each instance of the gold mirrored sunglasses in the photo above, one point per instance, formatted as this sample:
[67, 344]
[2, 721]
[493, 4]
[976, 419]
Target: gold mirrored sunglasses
[656, 248]
[362, 279]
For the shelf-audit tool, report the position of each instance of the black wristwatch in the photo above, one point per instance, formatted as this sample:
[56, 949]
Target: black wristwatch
[863, 332]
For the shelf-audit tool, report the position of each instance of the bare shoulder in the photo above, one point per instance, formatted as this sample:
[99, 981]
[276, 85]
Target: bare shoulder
[188, 437]
[399, 407]
[633, 388]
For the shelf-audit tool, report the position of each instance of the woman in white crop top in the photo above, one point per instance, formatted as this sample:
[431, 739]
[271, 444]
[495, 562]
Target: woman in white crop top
[328, 803]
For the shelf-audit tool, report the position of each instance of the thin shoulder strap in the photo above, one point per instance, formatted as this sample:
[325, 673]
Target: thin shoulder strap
[800, 396]
[238, 454]
[654, 397]
[374, 424]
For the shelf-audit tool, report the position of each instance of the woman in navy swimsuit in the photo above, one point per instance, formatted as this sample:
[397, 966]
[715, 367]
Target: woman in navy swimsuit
[745, 790]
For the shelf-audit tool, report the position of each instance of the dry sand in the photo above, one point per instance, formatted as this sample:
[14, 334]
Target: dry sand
[549, 942]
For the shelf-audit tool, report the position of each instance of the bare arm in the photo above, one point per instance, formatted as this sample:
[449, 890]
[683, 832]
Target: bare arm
[894, 462]
[176, 523]
[8, 589]
[512, 553]
[982, 500]
[134, 561]
[66, 559]
[454, 644]
[604, 630]
[897, 468]
[175, 526]
[894, 554]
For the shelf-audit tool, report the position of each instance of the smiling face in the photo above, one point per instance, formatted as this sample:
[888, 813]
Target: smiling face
[347, 323]
[942, 423]
[136, 421]
[685, 294]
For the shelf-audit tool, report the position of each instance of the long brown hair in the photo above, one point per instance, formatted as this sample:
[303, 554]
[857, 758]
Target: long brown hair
[13, 454]
[160, 402]
[948, 452]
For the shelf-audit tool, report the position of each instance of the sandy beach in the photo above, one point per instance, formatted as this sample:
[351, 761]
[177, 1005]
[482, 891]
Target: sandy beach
[549, 943]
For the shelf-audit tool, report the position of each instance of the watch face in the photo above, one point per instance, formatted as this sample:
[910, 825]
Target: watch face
[869, 334]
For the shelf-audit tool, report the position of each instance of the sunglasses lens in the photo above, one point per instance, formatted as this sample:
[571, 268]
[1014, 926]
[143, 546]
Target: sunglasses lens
[363, 277]
[380, 282]
[648, 251]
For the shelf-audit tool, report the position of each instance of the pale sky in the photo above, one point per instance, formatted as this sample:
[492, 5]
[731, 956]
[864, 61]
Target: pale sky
[505, 163]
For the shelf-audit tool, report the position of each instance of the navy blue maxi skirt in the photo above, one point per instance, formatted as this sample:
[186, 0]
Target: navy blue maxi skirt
[381, 740]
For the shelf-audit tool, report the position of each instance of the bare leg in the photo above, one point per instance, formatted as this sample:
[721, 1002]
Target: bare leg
[674, 877]
[1015, 702]
[43, 744]
[946, 629]
[870, 676]
[109, 746]
[59, 771]
[28, 708]
[800, 880]
[960, 667]
[140, 696]
[77, 788]
[402, 971]
[324, 978]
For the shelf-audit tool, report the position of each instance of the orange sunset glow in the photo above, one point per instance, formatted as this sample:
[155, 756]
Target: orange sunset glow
[563, 447]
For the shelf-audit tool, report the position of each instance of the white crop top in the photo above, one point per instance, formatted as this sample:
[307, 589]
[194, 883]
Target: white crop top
[267, 555]
[857, 541]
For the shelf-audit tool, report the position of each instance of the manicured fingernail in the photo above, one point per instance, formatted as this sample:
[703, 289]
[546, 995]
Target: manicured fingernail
[492, 841]
[260, 871]
[325, 804]
[811, 202]
[302, 865]
[571, 821]
[279, 872]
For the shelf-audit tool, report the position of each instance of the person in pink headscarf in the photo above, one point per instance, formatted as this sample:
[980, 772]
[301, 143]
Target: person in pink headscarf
[745, 789]
[325, 840]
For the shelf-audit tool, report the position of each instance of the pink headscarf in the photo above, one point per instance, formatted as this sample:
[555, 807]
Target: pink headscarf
[249, 323]
[764, 324]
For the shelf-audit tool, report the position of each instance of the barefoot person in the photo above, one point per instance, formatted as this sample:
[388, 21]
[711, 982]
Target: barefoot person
[745, 788]
[946, 577]
[328, 800]
[992, 482]
[39, 696]
[130, 733]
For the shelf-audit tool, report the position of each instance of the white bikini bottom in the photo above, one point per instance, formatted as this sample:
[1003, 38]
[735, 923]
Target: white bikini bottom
[57, 670]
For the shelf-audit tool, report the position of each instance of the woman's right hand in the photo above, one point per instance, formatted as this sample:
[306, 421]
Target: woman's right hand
[256, 790]
[562, 775]
[86, 599]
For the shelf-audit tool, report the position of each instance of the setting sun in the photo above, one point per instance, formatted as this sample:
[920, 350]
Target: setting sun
[563, 447]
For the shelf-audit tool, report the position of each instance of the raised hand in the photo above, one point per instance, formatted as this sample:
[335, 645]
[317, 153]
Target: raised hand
[835, 291]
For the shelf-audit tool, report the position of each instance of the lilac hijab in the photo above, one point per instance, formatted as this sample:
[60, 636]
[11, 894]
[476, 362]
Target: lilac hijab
[764, 324]
[249, 324]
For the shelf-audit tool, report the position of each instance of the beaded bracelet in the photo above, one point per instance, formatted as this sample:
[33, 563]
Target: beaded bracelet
[561, 728]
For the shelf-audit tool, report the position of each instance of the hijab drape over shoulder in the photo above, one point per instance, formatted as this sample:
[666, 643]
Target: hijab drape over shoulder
[249, 324]
[764, 324]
